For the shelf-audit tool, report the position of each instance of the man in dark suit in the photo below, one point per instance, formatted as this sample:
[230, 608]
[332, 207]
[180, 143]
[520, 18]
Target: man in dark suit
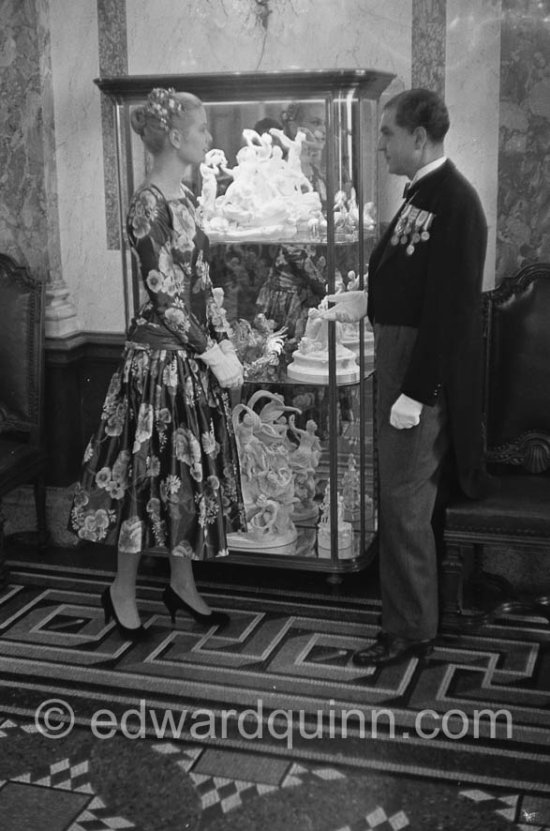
[424, 301]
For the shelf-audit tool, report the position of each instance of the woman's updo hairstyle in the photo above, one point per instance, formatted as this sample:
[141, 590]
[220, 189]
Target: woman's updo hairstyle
[164, 109]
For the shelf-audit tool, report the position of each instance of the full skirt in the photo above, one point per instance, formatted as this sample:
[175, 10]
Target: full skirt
[162, 469]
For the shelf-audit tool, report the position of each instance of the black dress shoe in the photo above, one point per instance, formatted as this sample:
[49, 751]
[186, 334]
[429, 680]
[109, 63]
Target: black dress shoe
[173, 602]
[389, 649]
[135, 633]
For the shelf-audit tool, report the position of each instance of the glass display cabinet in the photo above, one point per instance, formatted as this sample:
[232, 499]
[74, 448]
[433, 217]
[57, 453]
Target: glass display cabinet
[288, 198]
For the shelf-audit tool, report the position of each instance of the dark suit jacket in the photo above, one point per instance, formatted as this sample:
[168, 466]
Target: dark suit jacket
[437, 289]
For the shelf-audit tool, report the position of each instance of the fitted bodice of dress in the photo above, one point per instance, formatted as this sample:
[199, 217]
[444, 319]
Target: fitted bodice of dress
[172, 254]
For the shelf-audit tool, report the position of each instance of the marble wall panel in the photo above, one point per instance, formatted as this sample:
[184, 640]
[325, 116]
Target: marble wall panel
[472, 93]
[429, 29]
[229, 35]
[524, 160]
[23, 209]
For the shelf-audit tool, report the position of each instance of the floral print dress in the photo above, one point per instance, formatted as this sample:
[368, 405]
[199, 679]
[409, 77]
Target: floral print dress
[162, 468]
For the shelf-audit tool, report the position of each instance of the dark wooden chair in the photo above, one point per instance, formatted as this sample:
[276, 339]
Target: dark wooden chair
[517, 419]
[22, 457]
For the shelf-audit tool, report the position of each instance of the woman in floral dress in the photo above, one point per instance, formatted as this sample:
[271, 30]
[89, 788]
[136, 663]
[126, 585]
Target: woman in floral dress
[162, 469]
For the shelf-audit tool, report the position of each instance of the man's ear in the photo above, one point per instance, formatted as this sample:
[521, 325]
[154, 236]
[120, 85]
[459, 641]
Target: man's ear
[420, 137]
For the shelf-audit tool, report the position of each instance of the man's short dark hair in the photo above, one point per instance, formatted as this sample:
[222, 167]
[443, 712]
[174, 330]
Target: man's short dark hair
[421, 108]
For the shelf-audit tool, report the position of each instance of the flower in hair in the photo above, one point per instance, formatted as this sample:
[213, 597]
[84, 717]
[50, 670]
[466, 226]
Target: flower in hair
[163, 105]
[291, 113]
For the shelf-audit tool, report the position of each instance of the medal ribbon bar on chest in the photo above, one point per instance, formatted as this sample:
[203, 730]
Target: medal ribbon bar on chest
[413, 226]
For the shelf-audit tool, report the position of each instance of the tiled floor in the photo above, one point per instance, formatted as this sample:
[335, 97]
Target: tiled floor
[225, 788]
[51, 634]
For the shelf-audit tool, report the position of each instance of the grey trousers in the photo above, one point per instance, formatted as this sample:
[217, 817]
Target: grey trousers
[409, 465]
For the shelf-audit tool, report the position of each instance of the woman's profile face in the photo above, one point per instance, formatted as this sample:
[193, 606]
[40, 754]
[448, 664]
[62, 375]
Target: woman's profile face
[194, 137]
[313, 118]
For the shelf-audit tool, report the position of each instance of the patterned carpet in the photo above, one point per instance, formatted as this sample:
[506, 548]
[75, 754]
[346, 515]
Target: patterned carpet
[265, 724]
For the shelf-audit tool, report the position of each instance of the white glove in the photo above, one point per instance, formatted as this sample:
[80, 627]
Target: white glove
[405, 413]
[226, 368]
[228, 349]
[350, 306]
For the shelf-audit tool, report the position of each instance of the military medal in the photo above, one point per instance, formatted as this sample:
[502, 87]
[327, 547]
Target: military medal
[400, 226]
[425, 234]
[411, 228]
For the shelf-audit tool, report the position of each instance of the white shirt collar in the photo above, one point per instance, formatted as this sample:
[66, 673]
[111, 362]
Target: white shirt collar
[428, 168]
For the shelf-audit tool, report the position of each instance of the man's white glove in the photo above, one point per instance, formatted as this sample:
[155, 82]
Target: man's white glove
[405, 413]
[227, 368]
[350, 306]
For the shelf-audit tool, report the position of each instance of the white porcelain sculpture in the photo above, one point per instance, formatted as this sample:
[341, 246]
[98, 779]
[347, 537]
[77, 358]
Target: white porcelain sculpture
[304, 459]
[310, 361]
[267, 479]
[269, 196]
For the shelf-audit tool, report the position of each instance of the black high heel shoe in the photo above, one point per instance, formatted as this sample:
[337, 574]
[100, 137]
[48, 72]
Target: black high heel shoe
[132, 633]
[173, 602]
